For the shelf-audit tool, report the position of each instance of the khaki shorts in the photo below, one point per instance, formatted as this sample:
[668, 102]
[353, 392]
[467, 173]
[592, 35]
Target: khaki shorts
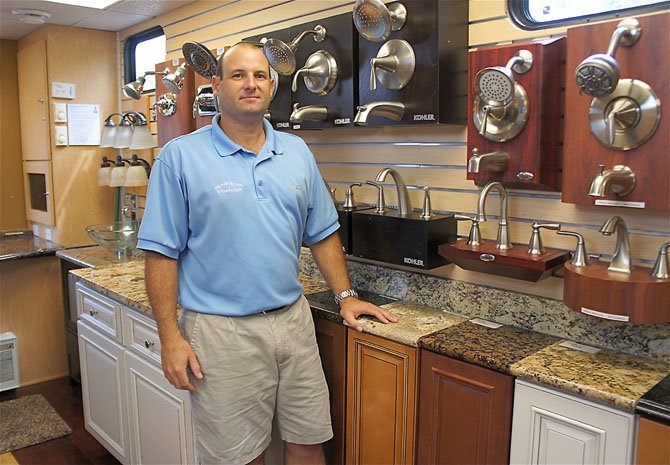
[254, 367]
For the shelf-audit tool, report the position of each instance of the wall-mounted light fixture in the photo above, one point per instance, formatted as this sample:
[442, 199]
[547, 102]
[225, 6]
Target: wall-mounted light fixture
[118, 175]
[132, 131]
[138, 173]
[109, 131]
[142, 138]
[124, 132]
[105, 172]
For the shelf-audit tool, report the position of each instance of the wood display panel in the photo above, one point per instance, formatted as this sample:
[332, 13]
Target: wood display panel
[181, 122]
[653, 443]
[632, 298]
[513, 263]
[647, 60]
[34, 101]
[198, 81]
[536, 149]
[465, 413]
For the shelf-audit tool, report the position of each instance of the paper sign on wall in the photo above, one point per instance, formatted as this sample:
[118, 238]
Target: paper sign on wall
[84, 124]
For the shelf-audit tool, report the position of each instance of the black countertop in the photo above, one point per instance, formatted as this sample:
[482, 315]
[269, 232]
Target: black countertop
[323, 303]
[15, 245]
[655, 404]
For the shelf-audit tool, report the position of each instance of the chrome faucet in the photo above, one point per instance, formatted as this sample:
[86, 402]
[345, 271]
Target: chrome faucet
[493, 161]
[621, 258]
[620, 181]
[317, 113]
[503, 242]
[391, 110]
[404, 202]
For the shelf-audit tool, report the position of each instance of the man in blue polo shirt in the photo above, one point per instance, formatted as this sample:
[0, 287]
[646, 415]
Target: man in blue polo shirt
[228, 208]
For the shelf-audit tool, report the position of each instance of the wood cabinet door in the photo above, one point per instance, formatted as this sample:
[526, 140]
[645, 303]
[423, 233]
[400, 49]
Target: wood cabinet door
[34, 101]
[381, 400]
[159, 416]
[103, 390]
[465, 413]
[332, 340]
[653, 443]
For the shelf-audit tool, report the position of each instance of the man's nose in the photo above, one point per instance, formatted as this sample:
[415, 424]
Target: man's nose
[250, 81]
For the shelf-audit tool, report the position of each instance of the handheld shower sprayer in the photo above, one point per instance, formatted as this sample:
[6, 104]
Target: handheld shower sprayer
[598, 74]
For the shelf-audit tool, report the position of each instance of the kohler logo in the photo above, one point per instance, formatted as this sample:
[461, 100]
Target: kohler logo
[413, 261]
[424, 117]
[283, 125]
[342, 121]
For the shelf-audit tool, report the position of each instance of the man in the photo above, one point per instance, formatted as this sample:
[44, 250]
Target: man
[228, 207]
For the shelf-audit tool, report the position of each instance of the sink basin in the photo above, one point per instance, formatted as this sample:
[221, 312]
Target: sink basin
[120, 238]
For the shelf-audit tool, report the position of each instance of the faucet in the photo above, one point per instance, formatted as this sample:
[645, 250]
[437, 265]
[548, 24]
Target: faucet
[130, 211]
[503, 242]
[493, 161]
[317, 113]
[620, 181]
[621, 258]
[404, 202]
[391, 110]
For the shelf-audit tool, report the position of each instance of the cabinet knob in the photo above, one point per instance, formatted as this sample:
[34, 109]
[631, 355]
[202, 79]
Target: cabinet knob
[149, 344]
[40, 100]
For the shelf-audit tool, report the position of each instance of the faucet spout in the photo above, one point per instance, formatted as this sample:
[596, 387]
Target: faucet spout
[503, 242]
[495, 162]
[619, 181]
[621, 258]
[387, 109]
[404, 201]
[317, 113]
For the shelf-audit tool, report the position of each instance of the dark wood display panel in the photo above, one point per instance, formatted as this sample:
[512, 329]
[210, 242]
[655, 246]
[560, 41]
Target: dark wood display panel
[465, 413]
[536, 149]
[647, 60]
[181, 122]
[437, 30]
[198, 81]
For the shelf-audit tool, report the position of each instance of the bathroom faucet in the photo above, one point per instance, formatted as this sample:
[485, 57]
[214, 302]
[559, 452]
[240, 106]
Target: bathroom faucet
[620, 181]
[404, 202]
[391, 110]
[621, 258]
[503, 242]
[493, 161]
[317, 113]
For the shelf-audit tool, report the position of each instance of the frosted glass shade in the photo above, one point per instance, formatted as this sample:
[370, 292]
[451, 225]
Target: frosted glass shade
[109, 136]
[136, 176]
[104, 175]
[142, 138]
[123, 137]
[118, 176]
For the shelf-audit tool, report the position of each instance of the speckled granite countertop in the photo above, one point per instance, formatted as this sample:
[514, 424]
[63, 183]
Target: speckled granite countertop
[16, 245]
[611, 377]
[95, 256]
[655, 404]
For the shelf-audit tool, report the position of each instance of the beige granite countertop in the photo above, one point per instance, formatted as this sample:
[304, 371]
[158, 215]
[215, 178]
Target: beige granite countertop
[95, 256]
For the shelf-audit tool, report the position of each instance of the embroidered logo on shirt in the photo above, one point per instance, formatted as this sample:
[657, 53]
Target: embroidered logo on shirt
[228, 187]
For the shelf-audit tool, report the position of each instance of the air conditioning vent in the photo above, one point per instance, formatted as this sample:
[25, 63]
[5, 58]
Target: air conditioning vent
[9, 362]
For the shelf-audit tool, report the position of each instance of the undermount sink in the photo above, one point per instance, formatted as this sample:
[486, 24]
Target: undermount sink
[120, 238]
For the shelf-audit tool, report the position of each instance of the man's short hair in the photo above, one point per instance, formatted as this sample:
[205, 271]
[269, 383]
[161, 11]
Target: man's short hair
[219, 61]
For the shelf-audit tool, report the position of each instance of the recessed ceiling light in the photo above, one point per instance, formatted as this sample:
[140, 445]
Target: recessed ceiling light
[29, 16]
[98, 4]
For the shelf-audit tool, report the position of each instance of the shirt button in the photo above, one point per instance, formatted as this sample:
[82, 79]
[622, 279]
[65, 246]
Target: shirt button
[260, 183]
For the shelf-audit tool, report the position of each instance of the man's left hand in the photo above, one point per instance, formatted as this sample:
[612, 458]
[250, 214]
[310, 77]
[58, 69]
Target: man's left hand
[351, 308]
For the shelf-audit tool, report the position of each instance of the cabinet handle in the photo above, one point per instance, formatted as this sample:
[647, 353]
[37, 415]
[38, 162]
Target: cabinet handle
[149, 344]
[92, 312]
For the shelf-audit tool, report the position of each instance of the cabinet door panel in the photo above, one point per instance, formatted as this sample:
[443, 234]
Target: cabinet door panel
[160, 416]
[381, 401]
[33, 101]
[103, 390]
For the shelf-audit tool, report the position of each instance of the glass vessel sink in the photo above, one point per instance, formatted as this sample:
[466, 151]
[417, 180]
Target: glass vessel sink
[120, 238]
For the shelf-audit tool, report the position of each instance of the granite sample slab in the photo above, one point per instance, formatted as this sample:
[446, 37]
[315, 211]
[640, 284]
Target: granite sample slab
[16, 245]
[324, 306]
[414, 321]
[95, 256]
[655, 404]
[611, 377]
[493, 348]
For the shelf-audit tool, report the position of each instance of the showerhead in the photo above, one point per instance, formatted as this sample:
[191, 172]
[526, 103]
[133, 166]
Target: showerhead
[281, 55]
[134, 89]
[174, 82]
[375, 21]
[199, 58]
[495, 85]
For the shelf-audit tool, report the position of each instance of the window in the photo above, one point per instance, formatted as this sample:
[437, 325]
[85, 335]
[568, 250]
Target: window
[141, 52]
[539, 14]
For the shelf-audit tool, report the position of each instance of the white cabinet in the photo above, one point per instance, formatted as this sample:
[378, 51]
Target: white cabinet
[128, 404]
[553, 427]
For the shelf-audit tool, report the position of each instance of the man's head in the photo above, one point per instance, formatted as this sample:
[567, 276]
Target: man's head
[243, 83]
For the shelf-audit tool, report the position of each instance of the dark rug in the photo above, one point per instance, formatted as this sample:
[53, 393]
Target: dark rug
[27, 421]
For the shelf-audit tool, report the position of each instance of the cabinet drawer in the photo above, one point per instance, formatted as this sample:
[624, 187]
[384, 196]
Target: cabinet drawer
[141, 335]
[101, 311]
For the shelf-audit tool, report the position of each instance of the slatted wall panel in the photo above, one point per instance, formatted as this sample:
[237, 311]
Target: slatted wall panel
[432, 156]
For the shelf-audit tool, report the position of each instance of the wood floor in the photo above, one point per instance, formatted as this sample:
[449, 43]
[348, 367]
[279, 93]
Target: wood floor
[78, 448]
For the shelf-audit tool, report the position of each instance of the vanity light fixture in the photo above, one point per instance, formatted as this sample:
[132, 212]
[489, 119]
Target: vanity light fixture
[105, 172]
[138, 173]
[134, 89]
[124, 132]
[141, 138]
[109, 131]
[118, 174]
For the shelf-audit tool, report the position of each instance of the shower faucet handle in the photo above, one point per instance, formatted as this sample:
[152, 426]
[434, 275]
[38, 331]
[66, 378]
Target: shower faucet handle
[475, 235]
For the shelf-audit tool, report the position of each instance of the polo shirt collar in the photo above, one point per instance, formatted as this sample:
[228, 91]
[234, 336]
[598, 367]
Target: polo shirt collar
[226, 147]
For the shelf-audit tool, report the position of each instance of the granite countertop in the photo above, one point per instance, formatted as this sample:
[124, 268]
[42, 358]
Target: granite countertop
[655, 404]
[611, 377]
[94, 256]
[16, 245]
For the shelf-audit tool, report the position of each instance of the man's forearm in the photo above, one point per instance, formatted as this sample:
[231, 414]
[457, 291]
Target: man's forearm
[329, 258]
[162, 286]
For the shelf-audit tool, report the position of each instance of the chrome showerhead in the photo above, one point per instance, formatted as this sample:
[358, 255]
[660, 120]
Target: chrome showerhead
[495, 85]
[282, 55]
[174, 82]
[199, 58]
[134, 89]
[375, 21]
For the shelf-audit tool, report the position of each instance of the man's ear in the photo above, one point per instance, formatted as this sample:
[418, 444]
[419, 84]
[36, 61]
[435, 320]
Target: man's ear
[216, 82]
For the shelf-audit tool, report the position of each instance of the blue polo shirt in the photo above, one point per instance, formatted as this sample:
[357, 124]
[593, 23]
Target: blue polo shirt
[235, 220]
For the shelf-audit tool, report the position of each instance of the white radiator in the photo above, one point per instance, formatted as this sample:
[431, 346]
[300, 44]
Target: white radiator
[9, 362]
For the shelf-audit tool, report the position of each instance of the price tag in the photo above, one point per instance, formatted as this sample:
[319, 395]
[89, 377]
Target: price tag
[580, 347]
[487, 323]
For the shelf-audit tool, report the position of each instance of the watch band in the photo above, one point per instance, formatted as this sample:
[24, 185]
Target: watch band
[345, 294]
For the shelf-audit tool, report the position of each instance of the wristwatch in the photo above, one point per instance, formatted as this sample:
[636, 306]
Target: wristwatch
[345, 294]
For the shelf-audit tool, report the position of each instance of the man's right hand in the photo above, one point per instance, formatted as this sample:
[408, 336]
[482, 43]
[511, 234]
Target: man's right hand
[176, 357]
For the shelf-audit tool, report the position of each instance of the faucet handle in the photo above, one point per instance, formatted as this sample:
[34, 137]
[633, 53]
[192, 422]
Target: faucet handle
[427, 210]
[475, 235]
[661, 267]
[579, 257]
[535, 244]
[381, 204]
[349, 195]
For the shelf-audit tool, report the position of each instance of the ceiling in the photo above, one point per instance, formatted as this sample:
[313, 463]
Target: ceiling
[120, 15]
